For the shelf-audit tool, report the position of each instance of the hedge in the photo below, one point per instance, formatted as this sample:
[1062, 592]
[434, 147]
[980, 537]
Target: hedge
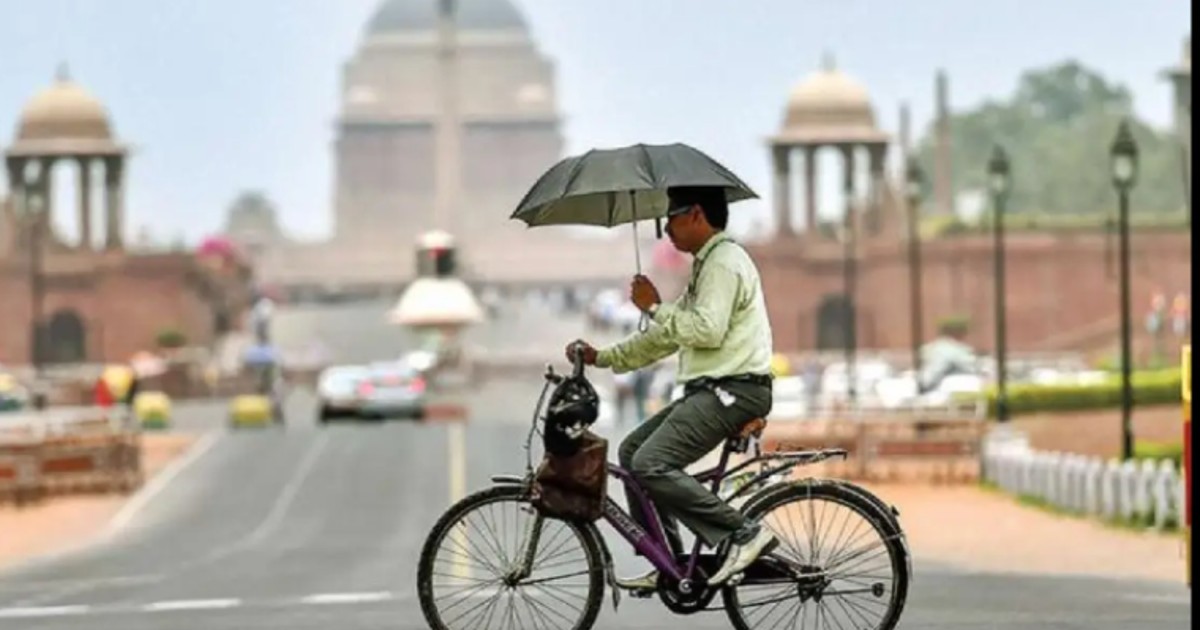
[1158, 451]
[1157, 387]
[933, 227]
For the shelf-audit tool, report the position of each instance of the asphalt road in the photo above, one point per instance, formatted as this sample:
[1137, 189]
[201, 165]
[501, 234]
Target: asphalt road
[311, 528]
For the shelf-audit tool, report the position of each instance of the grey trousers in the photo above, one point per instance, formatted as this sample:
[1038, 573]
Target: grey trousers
[677, 436]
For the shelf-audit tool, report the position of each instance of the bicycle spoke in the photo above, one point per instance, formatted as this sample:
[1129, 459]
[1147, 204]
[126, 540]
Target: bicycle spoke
[482, 608]
[841, 553]
[551, 579]
[492, 538]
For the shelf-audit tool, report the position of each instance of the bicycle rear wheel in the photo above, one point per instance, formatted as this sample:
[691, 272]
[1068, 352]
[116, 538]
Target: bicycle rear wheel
[469, 572]
[841, 563]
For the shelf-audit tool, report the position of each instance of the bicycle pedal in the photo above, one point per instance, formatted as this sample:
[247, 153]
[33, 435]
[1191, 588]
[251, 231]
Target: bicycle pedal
[641, 593]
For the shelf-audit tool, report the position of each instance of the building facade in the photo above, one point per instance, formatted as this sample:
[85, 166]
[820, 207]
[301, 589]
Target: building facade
[87, 297]
[392, 184]
[1062, 293]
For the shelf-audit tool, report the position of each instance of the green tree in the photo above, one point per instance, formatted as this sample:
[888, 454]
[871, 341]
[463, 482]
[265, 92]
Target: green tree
[1057, 127]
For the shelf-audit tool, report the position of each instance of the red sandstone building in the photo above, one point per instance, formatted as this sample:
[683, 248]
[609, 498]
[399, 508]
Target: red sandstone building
[1062, 285]
[95, 300]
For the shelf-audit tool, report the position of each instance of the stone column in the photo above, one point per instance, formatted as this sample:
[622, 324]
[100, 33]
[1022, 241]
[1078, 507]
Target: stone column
[114, 202]
[848, 188]
[877, 156]
[448, 134]
[85, 203]
[810, 190]
[46, 189]
[783, 190]
[16, 184]
[943, 174]
[1182, 79]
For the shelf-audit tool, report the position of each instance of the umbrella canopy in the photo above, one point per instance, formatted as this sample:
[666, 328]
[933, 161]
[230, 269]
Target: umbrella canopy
[610, 187]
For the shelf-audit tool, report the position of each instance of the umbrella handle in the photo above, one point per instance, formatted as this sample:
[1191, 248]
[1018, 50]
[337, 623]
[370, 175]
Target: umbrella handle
[644, 318]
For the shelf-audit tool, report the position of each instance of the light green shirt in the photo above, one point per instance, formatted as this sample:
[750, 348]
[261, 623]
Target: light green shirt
[719, 325]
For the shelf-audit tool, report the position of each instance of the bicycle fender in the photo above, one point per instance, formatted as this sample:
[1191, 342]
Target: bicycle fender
[768, 493]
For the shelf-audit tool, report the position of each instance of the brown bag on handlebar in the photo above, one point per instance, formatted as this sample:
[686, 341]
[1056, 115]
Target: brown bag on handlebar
[574, 487]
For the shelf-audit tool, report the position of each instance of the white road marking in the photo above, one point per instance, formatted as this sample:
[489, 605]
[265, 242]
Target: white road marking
[284, 503]
[346, 598]
[47, 611]
[458, 463]
[151, 490]
[457, 460]
[192, 604]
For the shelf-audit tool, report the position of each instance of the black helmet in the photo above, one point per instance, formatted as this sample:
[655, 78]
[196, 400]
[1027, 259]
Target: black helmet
[574, 406]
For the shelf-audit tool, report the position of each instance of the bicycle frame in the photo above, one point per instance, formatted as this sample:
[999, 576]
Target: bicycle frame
[653, 545]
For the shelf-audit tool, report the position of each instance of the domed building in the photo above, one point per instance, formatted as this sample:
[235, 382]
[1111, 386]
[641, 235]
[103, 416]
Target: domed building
[386, 147]
[90, 298]
[495, 117]
[846, 285]
[828, 110]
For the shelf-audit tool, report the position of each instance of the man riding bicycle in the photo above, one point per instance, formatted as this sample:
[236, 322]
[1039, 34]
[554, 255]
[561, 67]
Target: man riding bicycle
[720, 329]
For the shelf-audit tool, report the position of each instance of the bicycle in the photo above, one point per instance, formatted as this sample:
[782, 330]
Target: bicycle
[522, 577]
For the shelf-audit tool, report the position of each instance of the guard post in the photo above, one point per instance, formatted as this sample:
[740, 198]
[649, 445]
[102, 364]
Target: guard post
[1185, 373]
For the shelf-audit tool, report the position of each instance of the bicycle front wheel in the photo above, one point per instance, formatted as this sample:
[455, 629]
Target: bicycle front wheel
[477, 569]
[841, 563]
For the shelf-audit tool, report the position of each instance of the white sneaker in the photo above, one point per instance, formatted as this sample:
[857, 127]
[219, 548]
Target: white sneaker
[648, 582]
[742, 556]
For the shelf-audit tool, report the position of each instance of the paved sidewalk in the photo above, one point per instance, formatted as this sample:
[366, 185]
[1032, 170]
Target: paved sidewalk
[982, 530]
[62, 522]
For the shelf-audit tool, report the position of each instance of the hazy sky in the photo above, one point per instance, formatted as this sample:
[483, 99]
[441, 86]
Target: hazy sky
[217, 96]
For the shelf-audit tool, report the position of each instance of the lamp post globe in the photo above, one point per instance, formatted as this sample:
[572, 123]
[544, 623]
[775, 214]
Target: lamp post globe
[1124, 158]
[999, 172]
[914, 181]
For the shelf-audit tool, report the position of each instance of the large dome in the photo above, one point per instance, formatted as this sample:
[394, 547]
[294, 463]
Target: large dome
[63, 110]
[404, 16]
[63, 117]
[830, 105]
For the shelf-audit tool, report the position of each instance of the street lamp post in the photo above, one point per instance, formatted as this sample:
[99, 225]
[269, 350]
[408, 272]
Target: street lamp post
[850, 309]
[915, 183]
[999, 183]
[1124, 174]
[33, 208]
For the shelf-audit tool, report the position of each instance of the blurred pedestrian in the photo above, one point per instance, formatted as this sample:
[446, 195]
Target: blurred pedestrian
[623, 386]
[642, 380]
[811, 374]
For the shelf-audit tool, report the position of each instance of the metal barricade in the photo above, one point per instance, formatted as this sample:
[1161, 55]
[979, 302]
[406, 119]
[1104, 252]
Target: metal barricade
[68, 451]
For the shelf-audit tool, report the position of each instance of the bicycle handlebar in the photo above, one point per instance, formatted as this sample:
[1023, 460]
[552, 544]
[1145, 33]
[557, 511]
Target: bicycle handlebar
[577, 358]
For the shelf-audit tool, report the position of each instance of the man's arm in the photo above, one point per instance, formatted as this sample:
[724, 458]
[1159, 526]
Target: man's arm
[704, 322]
[637, 351]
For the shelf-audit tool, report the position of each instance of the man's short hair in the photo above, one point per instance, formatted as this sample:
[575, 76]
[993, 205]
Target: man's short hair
[711, 200]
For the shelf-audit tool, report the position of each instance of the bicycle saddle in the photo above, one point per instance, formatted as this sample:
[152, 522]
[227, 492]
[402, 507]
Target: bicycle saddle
[739, 442]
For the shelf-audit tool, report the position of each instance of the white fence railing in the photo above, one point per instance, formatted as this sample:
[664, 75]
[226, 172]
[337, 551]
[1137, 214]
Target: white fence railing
[1147, 492]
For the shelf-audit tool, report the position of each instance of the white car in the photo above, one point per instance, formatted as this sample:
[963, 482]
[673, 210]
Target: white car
[337, 391]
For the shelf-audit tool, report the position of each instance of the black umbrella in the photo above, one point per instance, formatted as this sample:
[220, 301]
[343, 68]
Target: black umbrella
[609, 187]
